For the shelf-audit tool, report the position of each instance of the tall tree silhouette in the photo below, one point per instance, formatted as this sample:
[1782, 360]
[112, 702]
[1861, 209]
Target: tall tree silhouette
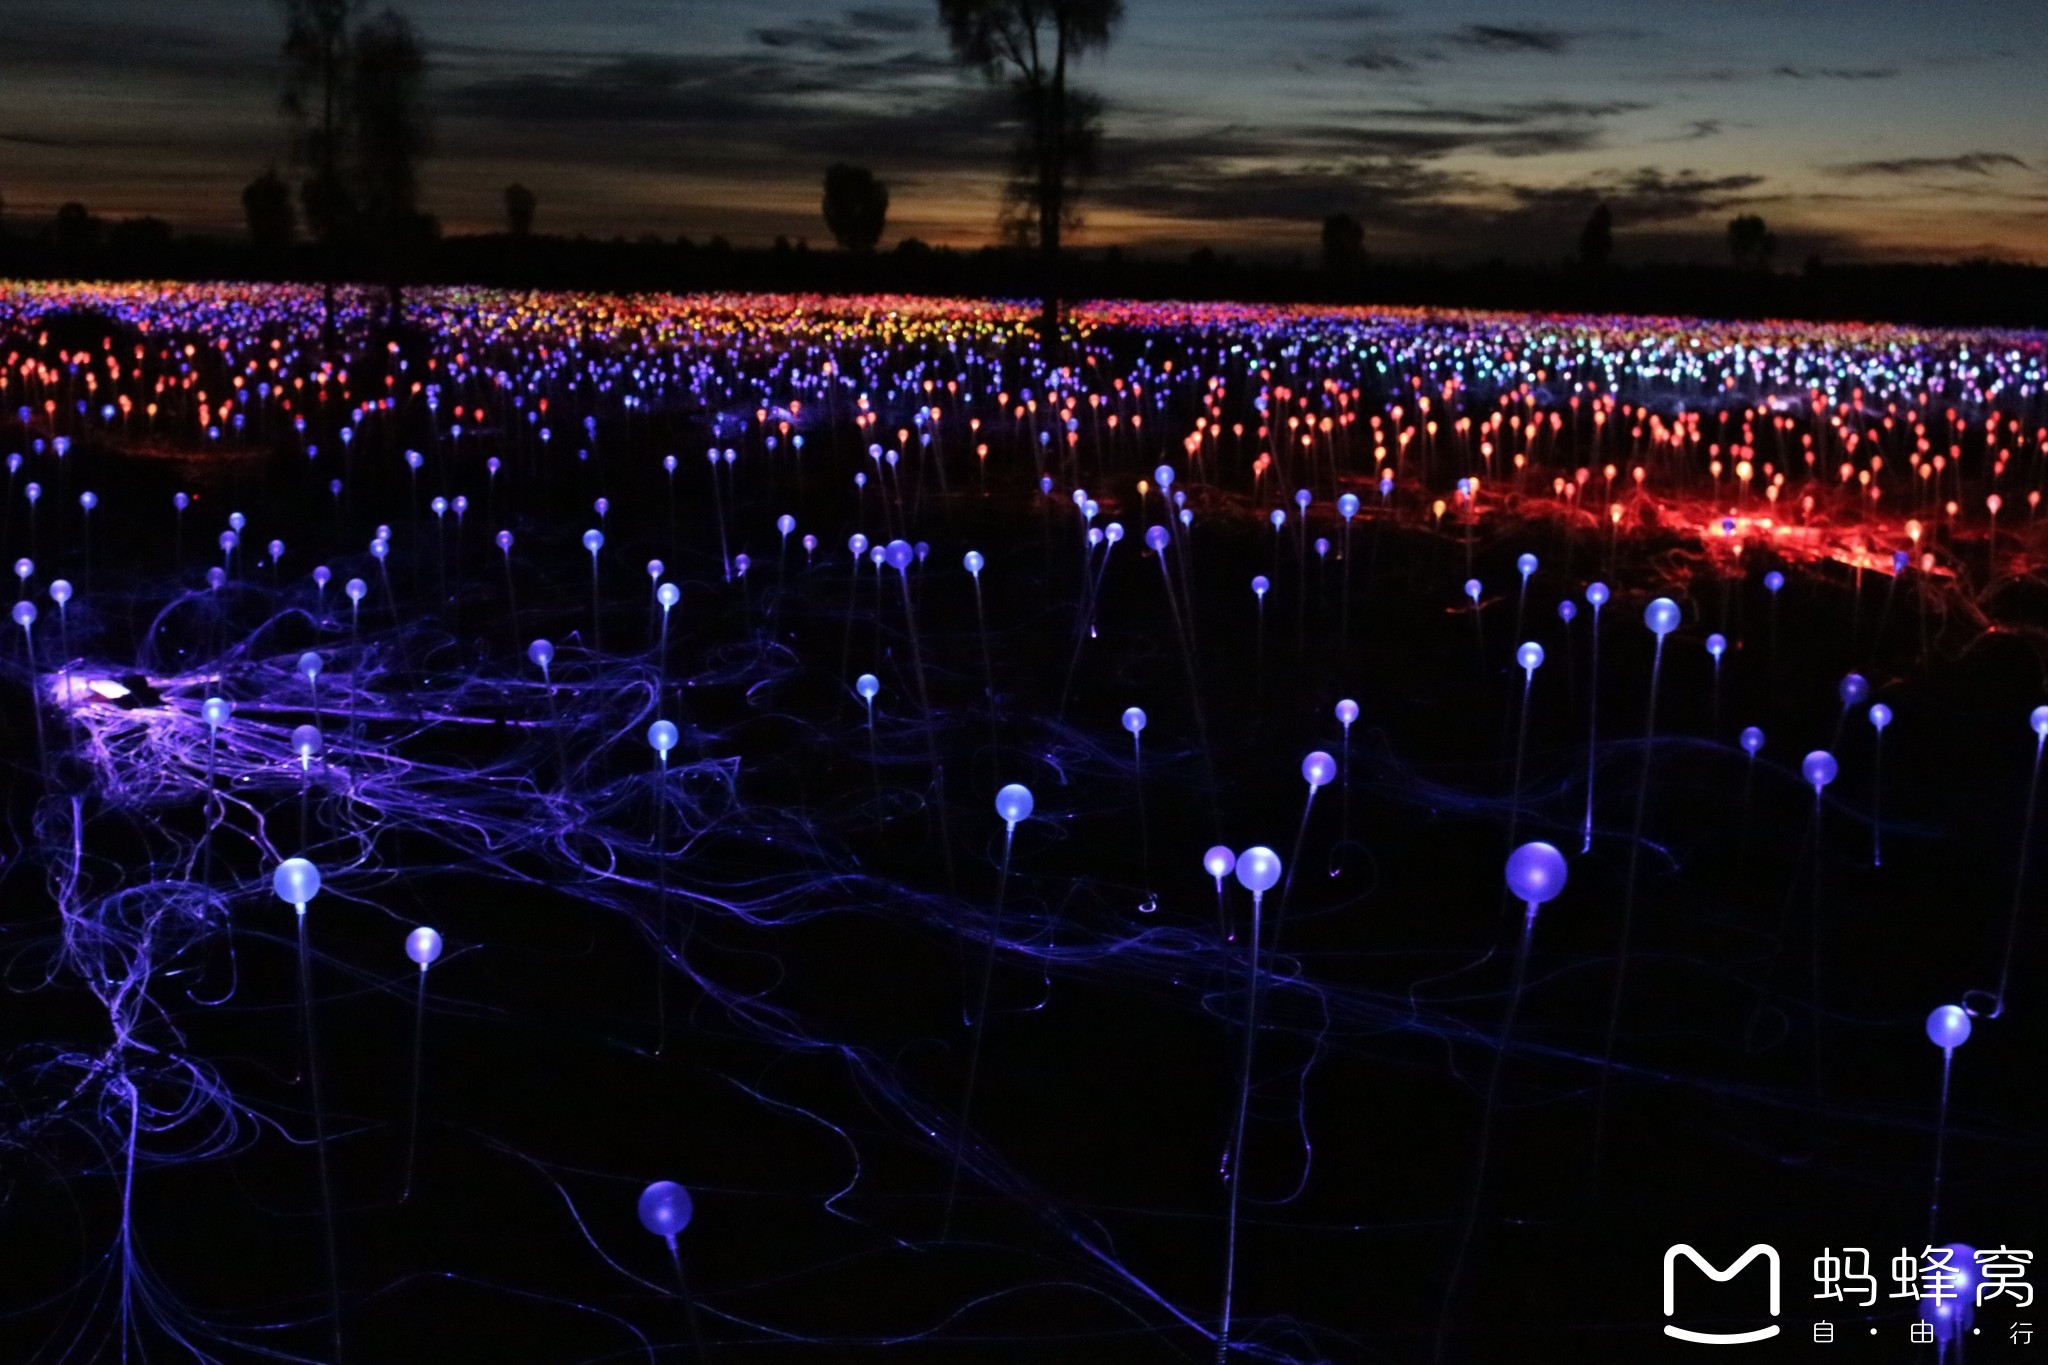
[388, 64]
[77, 231]
[1343, 244]
[316, 56]
[856, 207]
[1750, 242]
[267, 205]
[519, 208]
[1596, 239]
[1031, 43]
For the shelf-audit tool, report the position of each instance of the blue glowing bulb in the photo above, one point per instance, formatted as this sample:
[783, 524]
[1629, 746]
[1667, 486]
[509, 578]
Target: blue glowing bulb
[542, 653]
[306, 741]
[1717, 645]
[423, 946]
[1819, 769]
[973, 562]
[899, 554]
[1661, 616]
[60, 591]
[24, 613]
[662, 735]
[1163, 476]
[1319, 769]
[1258, 869]
[593, 541]
[1773, 581]
[1880, 715]
[1134, 719]
[1530, 657]
[1302, 498]
[357, 590]
[668, 594]
[1347, 506]
[1347, 712]
[309, 664]
[505, 541]
[1567, 610]
[215, 712]
[1948, 1027]
[1752, 740]
[1014, 803]
[785, 524]
[322, 576]
[1156, 538]
[868, 685]
[2037, 721]
[1853, 688]
[1536, 872]
[296, 882]
[1278, 518]
[1472, 590]
[1219, 862]
[1597, 594]
[741, 564]
[1527, 565]
[665, 1209]
[1259, 586]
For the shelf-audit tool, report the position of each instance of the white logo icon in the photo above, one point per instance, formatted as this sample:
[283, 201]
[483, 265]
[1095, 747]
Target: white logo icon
[1671, 1255]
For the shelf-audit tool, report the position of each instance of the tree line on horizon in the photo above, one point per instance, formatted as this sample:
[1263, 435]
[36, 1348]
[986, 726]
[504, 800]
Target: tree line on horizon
[352, 100]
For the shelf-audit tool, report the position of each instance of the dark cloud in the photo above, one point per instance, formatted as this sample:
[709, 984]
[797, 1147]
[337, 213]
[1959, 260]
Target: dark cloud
[816, 40]
[898, 21]
[1379, 59]
[1969, 163]
[1512, 115]
[1513, 38]
[1836, 73]
[1646, 195]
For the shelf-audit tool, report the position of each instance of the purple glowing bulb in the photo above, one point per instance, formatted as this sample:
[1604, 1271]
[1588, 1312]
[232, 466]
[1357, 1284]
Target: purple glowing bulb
[1661, 616]
[1819, 769]
[1318, 769]
[665, 1209]
[1880, 716]
[1536, 872]
[1219, 862]
[1258, 870]
[1347, 713]
[423, 946]
[1014, 803]
[1752, 740]
[296, 882]
[1948, 1027]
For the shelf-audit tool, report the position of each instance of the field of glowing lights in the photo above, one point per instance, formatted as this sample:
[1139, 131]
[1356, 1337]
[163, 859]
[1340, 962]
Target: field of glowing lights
[1020, 834]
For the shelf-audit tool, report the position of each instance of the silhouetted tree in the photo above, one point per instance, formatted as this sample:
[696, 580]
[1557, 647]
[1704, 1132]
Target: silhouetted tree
[387, 67]
[1596, 239]
[1343, 244]
[519, 207]
[267, 204]
[1750, 242]
[316, 54]
[1031, 43]
[856, 207]
[77, 230]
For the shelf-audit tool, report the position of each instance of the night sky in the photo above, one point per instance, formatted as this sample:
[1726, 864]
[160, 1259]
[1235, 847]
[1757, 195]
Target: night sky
[1461, 129]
